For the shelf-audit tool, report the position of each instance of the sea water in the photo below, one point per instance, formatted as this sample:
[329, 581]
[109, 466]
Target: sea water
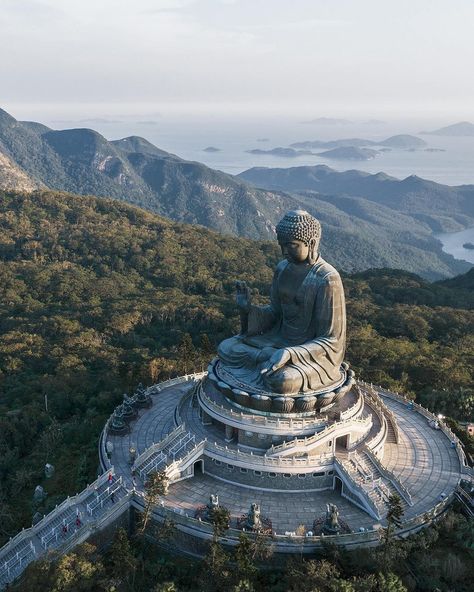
[188, 136]
[453, 244]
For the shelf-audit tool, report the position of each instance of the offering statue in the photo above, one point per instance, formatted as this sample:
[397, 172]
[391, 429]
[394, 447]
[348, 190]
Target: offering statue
[332, 516]
[295, 344]
[254, 521]
[213, 501]
[331, 524]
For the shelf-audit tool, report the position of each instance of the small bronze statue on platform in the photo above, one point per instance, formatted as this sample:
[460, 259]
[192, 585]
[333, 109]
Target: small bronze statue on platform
[331, 526]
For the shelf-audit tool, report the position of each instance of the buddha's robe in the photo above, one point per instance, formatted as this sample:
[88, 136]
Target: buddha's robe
[308, 321]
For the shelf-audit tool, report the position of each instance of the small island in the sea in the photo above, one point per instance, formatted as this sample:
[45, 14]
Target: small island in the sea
[400, 142]
[469, 246]
[211, 149]
[349, 153]
[279, 151]
[462, 128]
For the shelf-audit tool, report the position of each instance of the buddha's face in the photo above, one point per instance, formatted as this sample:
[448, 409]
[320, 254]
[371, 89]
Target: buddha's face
[295, 251]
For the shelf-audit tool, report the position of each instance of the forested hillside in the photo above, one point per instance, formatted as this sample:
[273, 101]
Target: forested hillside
[97, 296]
[137, 172]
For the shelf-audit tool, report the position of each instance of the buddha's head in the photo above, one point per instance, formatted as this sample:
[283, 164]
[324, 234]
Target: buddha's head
[298, 235]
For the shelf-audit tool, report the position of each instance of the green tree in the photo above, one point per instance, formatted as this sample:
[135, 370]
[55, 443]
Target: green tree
[81, 570]
[394, 521]
[186, 353]
[156, 486]
[220, 519]
[217, 573]
[120, 560]
[244, 555]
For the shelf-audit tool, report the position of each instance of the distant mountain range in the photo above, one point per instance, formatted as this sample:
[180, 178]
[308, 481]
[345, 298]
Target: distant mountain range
[441, 207]
[463, 128]
[395, 220]
[368, 220]
[401, 141]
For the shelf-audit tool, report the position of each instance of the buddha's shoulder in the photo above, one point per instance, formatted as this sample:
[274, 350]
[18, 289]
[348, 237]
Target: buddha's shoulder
[281, 266]
[326, 272]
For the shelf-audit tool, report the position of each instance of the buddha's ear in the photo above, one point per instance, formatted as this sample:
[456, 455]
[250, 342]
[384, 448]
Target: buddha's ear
[313, 249]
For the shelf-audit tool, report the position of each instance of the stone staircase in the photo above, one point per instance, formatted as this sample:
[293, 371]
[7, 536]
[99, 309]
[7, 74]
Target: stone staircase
[67, 525]
[392, 484]
[172, 448]
[367, 473]
[392, 435]
[368, 479]
[354, 488]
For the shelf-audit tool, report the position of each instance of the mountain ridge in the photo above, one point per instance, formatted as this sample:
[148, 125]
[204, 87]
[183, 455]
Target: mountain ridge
[453, 206]
[132, 169]
[358, 233]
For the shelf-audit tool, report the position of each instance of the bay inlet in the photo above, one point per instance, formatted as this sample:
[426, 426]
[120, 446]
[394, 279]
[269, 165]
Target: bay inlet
[453, 244]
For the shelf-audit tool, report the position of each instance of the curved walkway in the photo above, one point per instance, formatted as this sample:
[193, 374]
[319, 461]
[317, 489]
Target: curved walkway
[423, 460]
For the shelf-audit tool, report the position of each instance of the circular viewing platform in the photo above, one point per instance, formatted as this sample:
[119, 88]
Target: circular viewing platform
[295, 469]
[356, 455]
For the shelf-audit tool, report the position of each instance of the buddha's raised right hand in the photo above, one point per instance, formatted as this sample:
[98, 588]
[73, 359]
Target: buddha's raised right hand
[242, 296]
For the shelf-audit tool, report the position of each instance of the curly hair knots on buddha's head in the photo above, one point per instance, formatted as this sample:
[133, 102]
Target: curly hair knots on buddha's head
[299, 225]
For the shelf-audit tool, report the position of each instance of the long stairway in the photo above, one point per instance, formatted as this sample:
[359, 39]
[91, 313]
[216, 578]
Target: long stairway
[68, 524]
[366, 472]
[389, 485]
[368, 479]
[392, 436]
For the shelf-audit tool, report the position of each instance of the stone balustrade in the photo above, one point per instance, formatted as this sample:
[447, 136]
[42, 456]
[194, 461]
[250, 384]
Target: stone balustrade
[36, 539]
[357, 490]
[156, 447]
[261, 423]
[377, 442]
[175, 470]
[431, 417]
[255, 461]
[337, 429]
[355, 409]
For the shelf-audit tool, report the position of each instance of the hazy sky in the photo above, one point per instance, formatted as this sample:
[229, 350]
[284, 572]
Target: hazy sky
[320, 57]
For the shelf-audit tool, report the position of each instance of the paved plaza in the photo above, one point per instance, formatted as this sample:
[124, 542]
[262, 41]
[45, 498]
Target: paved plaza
[424, 461]
[286, 510]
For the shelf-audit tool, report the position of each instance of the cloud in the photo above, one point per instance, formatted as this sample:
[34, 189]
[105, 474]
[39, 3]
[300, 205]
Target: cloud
[166, 6]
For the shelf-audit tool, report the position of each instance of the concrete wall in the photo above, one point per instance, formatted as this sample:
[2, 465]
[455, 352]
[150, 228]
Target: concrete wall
[103, 537]
[260, 441]
[268, 480]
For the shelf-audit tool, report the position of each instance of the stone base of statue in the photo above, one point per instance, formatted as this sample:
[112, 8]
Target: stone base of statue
[249, 395]
[223, 400]
[254, 522]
